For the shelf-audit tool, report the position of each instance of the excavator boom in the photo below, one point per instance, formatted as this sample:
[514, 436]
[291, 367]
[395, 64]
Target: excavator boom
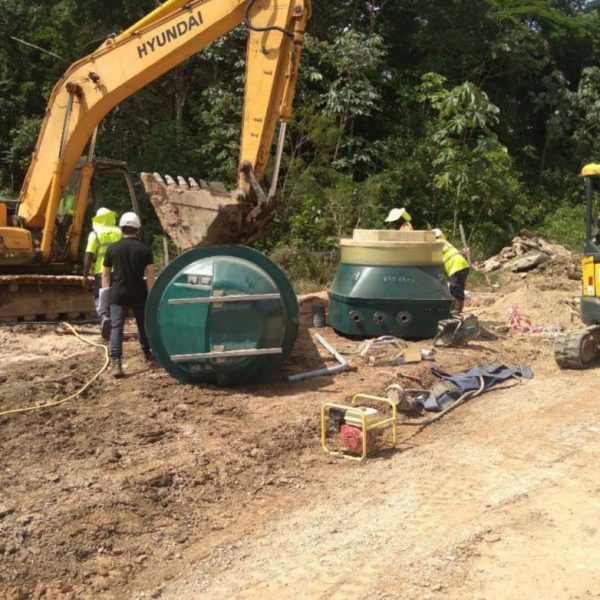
[123, 65]
[40, 243]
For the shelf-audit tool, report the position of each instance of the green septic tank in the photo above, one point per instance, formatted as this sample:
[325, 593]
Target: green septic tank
[224, 315]
[389, 283]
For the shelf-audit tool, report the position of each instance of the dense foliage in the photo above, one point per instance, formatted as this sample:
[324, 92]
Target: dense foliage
[478, 113]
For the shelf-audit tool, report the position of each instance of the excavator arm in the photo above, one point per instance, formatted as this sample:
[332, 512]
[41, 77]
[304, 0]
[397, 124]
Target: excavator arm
[176, 30]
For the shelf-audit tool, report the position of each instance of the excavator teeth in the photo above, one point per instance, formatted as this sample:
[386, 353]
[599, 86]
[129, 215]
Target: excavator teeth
[182, 183]
[194, 212]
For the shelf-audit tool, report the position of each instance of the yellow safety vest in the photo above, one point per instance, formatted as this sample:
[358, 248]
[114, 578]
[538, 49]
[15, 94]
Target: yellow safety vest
[454, 261]
[66, 206]
[104, 234]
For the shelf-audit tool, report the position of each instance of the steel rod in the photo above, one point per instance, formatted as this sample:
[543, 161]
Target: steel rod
[224, 299]
[226, 354]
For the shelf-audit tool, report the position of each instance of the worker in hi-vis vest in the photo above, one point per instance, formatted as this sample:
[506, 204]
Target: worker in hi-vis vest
[400, 218]
[457, 269]
[104, 233]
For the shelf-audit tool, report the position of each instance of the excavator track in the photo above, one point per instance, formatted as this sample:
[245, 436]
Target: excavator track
[30, 298]
[577, 349]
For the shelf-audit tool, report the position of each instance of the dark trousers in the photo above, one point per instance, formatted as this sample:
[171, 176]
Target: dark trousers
[118, 315]
[457, 284]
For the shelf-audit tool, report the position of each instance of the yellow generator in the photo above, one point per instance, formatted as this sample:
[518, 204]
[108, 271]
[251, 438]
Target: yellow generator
[580, 349]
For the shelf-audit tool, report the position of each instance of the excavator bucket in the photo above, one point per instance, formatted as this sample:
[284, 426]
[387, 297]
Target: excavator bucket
[196, 213]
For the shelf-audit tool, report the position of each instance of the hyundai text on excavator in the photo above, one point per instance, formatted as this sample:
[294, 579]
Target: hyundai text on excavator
[40, 238]
[580, 349]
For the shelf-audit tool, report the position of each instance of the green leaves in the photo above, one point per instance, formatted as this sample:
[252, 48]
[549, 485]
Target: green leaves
[463, 111]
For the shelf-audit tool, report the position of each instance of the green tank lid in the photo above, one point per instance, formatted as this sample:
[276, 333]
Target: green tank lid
[225, 315]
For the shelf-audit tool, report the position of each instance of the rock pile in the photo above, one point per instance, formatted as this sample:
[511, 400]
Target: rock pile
[526, 252]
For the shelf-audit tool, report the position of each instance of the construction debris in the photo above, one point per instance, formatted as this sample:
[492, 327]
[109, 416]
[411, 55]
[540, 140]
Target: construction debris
[526, 252]
[341, 360]
[522, 325]
[479, 377]
[456, 331]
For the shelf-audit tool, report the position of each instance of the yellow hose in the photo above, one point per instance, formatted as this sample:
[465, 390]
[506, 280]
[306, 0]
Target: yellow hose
[80, 390]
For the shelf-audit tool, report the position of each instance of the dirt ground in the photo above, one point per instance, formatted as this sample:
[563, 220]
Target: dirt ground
[146, 488]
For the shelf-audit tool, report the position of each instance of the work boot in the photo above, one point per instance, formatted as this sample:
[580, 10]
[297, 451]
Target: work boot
[105, 325]
[117, 368]
[149, 357]
[457, 306]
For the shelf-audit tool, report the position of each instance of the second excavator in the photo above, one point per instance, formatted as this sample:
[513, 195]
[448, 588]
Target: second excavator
[580, 348]
[39, 245]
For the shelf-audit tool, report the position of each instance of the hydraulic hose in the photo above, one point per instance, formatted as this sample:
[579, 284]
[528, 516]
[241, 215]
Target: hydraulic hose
[249, 25]
[40, 323]
[464, 398]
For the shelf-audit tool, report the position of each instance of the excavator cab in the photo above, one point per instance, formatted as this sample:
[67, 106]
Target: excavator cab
[581, 349]
[108, 182]
[34, 291]
[94, 183]
[590, 300]
[111, 185]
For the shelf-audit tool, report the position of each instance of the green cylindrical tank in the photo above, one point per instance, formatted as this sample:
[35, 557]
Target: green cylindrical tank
[389, 283]
[224, 315]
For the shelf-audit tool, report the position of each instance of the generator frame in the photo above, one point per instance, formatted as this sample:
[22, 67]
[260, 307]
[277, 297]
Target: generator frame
[366, 426]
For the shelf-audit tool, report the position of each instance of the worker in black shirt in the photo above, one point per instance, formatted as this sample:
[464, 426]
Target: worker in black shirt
[129, 261]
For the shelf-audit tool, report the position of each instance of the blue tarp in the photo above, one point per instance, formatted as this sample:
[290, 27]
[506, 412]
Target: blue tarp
[492, 375]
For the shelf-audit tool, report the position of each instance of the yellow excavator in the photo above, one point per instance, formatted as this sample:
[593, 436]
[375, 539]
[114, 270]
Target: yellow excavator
[580, 349]
[40, 233]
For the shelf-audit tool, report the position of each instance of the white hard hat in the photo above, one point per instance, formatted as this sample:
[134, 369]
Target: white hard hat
[437, 232]
[102, 211]
[130, 219]
[396, 214]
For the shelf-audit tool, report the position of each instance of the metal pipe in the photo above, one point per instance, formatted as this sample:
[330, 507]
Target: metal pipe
[92, 147]
[225, 299]
[66, 123]
[226, 354]
[341, 366]
[278, 156]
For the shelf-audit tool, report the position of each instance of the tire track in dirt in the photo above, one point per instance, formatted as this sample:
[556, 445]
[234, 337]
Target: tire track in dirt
[393, 515]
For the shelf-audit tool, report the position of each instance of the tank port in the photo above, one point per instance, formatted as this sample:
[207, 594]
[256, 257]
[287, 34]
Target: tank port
[404, 318]
[355, 316]
[379, 318]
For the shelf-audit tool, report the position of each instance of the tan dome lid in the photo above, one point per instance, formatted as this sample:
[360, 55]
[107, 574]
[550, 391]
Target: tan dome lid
[392, 235]
[391, 247]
